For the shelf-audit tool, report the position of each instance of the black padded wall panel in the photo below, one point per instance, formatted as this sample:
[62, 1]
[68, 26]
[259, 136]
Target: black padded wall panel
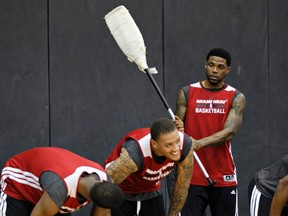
[278, 93]
[97, 95]
[24, 105]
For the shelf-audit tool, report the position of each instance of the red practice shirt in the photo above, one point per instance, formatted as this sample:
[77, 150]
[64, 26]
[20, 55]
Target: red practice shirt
[206, 114]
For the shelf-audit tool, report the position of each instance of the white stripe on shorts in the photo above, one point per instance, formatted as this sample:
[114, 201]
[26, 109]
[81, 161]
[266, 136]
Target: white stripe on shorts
[236, 207]
[3, 203]
[254, 202]
[138, 207]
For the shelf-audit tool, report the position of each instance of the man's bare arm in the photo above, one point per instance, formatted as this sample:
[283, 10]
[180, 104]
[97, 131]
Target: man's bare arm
[181, 186]
[122, 167]
[45, 206]
[181, 105]
[280, 197]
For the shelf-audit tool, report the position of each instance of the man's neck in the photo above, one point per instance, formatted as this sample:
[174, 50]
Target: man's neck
[207, 85]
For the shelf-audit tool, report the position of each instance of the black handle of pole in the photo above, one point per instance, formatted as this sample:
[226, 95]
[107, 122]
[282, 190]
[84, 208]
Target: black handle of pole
[211, 183]
[157, 88]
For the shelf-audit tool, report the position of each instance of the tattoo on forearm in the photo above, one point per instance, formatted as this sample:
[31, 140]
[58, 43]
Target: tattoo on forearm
[180, 192]
[121, 168]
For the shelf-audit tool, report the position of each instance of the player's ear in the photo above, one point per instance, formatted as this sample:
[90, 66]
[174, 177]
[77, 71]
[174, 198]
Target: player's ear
[153, 143]
[228, 70]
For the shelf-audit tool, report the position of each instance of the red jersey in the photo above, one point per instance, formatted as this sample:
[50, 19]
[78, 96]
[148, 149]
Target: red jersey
[21, 173]
[206, 114]
[148, 177]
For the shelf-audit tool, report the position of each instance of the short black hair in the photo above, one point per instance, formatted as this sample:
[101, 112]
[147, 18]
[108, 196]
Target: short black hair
[162, 126]
[107, 195]
[220, 52]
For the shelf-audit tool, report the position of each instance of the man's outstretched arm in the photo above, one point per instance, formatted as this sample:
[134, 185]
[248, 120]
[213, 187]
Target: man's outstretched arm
[280, 197]
[181, 186]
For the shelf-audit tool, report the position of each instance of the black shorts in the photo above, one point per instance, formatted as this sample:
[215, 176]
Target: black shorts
[15, 207]
[223, 201]
[150, 207]
[259, 205]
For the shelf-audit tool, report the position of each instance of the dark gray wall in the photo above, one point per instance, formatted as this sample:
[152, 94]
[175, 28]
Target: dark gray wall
[66, 83]
[24, 95]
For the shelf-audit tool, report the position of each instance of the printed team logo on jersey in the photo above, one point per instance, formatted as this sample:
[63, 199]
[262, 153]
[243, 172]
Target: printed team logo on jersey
[154, 175]
[229, 178]
[210, 106]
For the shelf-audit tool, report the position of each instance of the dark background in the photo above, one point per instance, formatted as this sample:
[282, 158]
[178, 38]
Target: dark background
[65, 82]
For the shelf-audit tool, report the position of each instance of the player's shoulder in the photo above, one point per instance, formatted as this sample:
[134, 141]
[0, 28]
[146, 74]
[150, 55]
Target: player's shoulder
[195, 85]
[238, 94]
[231, 88]
[186, 88]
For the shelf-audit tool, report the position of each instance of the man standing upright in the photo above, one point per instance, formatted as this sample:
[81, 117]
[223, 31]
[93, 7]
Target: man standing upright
[212, 113]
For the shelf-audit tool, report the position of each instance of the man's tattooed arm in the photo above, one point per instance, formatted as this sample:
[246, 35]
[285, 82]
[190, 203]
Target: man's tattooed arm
[181, 105]
[181, 186]
[122, 167]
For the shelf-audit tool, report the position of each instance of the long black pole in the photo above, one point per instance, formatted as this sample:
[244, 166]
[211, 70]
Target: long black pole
[211, 183]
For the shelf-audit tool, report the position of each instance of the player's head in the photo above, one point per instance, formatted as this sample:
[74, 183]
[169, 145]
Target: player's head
[220, 52]
[217, 66]
[165, 139]
[162, 126]
[106, 195]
